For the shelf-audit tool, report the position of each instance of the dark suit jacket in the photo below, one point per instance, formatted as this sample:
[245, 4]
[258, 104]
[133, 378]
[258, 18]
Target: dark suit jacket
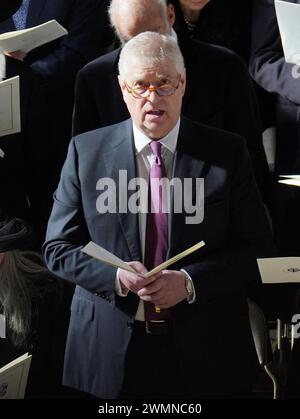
[225, 23]
[219, 92]
[234, 229]
[270, 70]
[47, 93]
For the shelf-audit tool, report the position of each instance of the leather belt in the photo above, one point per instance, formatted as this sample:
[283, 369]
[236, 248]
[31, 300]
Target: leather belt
[154, 327]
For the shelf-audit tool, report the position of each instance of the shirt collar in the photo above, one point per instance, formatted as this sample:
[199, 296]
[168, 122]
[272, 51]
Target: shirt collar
[169, 141]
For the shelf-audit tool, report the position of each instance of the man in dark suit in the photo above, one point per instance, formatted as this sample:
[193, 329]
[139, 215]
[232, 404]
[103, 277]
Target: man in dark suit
[202, 346]
[47, 77]
[219, 90]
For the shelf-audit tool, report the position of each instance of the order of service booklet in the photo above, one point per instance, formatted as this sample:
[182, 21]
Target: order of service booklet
[293, 180]
[27, 39]
[10, 121]
[13, 378]
[279, 270]
[94, 250]
[288, 18]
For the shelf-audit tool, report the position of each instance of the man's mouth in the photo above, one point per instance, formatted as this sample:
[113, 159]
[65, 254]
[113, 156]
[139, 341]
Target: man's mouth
[156, 112]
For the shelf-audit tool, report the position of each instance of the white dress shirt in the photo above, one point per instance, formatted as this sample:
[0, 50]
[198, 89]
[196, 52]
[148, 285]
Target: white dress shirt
[144, 159]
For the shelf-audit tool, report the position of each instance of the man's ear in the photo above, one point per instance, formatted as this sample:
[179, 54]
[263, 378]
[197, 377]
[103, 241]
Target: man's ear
[171, 14]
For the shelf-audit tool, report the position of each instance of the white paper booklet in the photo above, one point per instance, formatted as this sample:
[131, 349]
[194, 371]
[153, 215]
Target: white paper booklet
[288, 17]
[27, 39]
[101, 254]
[10, 120]
[293, 180]
[13, 378]
[279, 270]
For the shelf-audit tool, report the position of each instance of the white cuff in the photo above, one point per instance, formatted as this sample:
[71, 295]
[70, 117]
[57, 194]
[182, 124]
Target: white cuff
[120, 290]
[193, 298]
[2, 67]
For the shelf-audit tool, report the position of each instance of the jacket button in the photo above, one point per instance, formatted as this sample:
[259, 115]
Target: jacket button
[130, 324]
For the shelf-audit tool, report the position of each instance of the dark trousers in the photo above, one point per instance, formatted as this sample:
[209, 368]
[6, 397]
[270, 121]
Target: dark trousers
[152, 369]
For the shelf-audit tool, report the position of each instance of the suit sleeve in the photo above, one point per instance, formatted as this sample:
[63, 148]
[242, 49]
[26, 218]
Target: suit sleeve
[233, 270]
[67, 234]
[82, 43]
[267, 64]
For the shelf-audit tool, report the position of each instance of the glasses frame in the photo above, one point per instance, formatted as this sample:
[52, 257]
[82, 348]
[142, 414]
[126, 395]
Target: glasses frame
[150, 89]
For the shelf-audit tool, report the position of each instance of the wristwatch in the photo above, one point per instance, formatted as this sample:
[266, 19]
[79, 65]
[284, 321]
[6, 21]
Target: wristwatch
[189, 287]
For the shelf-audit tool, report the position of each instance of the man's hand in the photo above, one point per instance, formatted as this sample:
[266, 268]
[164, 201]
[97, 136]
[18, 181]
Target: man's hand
[165, 291]
[17, 55]
[135, 282]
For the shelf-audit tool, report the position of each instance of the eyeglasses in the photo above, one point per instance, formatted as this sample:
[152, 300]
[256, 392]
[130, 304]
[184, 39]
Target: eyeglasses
[142, 91]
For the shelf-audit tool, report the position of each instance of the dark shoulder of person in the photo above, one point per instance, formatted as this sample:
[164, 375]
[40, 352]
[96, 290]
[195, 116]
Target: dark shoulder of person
[224, 23]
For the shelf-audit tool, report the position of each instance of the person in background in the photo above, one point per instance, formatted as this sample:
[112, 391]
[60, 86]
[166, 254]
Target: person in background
[281, 80]
[226, 23]
[31, 303]
[47, 77]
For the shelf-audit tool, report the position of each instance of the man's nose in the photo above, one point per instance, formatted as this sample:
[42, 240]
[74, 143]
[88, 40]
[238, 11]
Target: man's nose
[152, 96]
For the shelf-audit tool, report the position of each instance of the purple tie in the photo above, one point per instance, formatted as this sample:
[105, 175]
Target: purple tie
[156, 245]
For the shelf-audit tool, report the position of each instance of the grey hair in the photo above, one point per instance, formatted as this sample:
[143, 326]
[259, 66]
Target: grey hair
[151, 48]
[18, 273]
[139, 8]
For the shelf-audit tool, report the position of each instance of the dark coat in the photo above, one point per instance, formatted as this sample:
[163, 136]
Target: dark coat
[225, 23]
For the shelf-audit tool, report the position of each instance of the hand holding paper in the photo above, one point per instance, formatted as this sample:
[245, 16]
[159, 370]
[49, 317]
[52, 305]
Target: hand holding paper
[17, 55]
[101, 254]
[28, 39]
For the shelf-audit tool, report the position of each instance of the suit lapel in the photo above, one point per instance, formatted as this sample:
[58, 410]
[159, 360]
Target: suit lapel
[122, 157]
[185, 166]
[34, 12]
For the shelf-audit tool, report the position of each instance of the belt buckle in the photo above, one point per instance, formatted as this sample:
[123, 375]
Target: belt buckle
[148, 326]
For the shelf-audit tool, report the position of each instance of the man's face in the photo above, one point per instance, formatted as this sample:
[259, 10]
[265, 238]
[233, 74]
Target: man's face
[154, 115]
[130, 26]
